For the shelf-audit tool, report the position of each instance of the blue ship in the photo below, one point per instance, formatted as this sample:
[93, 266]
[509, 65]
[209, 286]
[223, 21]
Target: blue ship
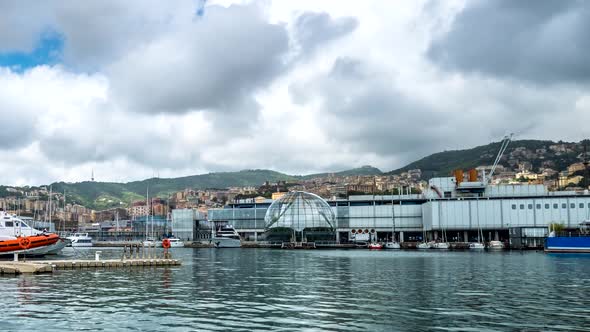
[578, 243]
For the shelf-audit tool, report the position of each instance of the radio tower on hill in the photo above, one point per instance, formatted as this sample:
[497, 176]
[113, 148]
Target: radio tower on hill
[92, 175]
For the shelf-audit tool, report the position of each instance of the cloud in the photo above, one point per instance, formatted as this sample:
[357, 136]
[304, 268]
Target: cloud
[538, 42]
[147, 87]
[313, 30]
[361, 107]
[213, 63]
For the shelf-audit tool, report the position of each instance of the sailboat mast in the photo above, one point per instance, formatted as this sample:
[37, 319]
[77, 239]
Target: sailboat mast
[63, 226]
[147, 217]
[49, 205]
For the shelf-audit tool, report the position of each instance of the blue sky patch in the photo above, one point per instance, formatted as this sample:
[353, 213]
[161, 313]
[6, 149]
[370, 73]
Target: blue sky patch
[48, 51]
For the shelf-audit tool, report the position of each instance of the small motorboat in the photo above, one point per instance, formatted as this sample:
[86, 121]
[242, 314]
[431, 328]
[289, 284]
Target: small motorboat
[375, 246]
[175, 242]
[440, 245]
[79, 240]
[152, 243]
[495, 245]
[392, 245]
[423, 245]
[476, 246]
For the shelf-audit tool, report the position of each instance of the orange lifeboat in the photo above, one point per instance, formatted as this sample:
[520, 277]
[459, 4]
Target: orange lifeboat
[28, 242]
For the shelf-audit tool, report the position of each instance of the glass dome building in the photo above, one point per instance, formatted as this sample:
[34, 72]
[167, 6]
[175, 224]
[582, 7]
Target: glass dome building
[300, 217]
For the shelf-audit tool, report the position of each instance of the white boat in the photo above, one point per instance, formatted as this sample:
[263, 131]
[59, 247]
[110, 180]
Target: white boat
[79, 240]
[153, 243]
[375, 246]
[14, 230]
[476, 246]
[392, 245]
[176, 242]
[440, 245]
[226, 237]
[423, 245]
[495, 245]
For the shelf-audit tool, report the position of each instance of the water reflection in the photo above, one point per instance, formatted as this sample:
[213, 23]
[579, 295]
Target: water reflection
[256, 289]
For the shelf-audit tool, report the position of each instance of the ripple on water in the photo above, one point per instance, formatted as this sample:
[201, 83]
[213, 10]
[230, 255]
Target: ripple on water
[355, 290]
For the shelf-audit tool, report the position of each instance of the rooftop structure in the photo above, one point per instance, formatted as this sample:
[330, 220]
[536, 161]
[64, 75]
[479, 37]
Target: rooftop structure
[299, 210]
[300, 217]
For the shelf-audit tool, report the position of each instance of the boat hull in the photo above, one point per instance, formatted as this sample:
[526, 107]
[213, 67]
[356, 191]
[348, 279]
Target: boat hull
[477, 246]
[564, 244]
[152, 244]
[15, 245]
[392, 245]
[220, 242]
[440, 246]
[423, 246]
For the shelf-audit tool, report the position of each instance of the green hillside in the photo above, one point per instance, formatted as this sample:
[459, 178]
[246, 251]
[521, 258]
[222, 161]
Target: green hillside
[101, 195]
[534, 151]
[364, 170]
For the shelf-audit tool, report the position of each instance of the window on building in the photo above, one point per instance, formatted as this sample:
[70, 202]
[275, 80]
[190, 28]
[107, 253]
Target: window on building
[581, 205]
[547, 205]
[530, 206]
[555, 205]
[572, 206]
[513, 206]
[522, 206]
[538, 206]
[563, 206]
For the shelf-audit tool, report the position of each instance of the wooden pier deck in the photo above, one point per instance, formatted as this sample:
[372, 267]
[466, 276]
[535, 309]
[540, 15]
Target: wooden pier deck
[49, 266]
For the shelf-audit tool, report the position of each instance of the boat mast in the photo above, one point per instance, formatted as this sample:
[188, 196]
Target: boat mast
[63, 219]
[49, 205]
[147, 217]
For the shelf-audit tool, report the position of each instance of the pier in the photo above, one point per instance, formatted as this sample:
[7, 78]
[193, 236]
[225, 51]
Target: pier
[54, 265]
[133, 255]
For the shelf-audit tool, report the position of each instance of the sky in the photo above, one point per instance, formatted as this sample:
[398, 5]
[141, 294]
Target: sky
[141, 88]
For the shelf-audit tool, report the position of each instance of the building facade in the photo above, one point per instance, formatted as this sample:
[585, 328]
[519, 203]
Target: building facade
[457, 211]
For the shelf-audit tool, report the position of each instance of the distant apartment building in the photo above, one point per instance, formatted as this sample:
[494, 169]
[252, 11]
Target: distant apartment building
[138, 209]
[365, 188]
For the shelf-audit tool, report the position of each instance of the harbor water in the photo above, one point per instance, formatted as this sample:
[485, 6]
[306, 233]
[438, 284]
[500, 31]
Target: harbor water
[338, 290]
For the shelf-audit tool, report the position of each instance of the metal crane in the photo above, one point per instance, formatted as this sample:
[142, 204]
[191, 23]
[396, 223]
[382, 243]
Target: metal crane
[505, 141]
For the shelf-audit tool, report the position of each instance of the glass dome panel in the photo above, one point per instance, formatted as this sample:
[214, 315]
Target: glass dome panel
[299, 210]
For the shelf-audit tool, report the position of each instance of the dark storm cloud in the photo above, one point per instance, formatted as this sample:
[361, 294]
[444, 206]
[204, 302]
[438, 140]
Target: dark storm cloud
[212, 64]
[313, 30]
[539, 41]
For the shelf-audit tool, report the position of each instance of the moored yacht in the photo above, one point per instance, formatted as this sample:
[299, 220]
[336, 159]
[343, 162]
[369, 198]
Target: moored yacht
[495, 245]
[152, 242]
[175, 242]
[79, 240]
[392, 245]
[375, 246]
[440, 245]
[226, 237]
[423, 245]
[476, 246]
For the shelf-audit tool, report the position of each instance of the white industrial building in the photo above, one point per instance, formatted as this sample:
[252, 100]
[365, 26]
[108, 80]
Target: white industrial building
[459, 209]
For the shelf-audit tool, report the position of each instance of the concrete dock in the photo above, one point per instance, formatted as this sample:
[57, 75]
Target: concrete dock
[53, 265]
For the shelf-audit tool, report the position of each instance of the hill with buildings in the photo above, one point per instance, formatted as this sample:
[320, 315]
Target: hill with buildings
[104, 195]
[556, 164]
[364, 170]
[523, 155]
